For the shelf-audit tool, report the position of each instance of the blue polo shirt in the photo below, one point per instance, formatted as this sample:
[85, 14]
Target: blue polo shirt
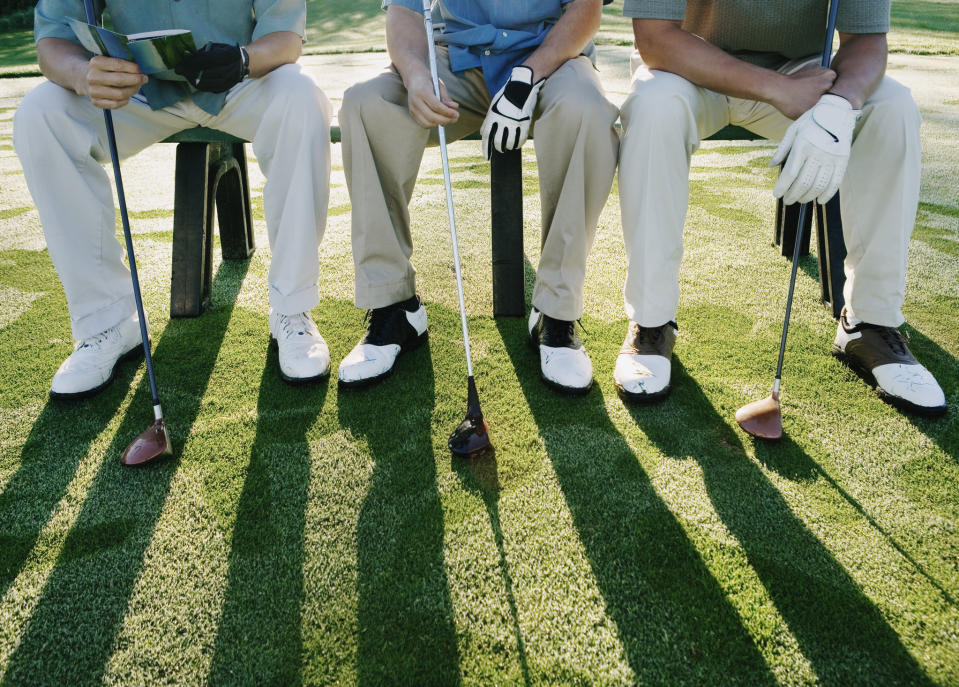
[237, 22]
[494, 35]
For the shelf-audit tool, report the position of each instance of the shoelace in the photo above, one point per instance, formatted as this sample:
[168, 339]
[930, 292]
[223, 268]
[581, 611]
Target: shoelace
[296, 325]
[380, 324]
[894, 339]
[97, 340]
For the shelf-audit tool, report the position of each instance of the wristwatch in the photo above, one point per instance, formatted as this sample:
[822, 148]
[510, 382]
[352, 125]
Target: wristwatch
[245, 72]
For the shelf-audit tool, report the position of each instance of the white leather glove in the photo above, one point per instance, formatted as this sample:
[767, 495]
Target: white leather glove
[816, 150]
[507, 123]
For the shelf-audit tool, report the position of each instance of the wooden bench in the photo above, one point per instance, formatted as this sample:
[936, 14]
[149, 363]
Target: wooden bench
[211, 167]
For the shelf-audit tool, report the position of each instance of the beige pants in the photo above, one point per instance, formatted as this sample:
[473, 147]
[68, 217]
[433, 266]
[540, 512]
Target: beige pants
[576, 149]
[61, 140]
[664, 119]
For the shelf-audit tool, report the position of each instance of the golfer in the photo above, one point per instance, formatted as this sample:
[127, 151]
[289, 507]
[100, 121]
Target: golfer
[243, 81]
[709, 63]
[503, 67]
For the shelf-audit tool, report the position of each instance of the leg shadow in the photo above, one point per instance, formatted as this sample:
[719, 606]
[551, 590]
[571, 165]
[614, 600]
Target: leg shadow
[673, 619]
[942, 430]
[405, 615]
[71, 634]
[259, 639]
[839, 630]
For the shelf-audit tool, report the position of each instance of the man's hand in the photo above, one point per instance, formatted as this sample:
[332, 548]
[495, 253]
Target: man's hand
[817, 145]
[798, 92]
[425, 108]
[109, 82]
[216, 67]
[507, 123]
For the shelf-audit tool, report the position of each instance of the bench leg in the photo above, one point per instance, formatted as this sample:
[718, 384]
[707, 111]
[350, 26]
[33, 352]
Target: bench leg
[787, 224]
[192, 231]
[233, 204]
[832, 254]
[506, 201]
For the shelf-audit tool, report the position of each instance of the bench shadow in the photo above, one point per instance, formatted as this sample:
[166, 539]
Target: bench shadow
[671, 615]
[404, 610]
[839, 630]
[71, 634]
[259, 638]
[480, 476]
[944, 366]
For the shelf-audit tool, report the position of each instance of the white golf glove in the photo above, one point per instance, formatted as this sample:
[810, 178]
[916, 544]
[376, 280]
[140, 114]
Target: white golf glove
[507, 123]
[816, 150]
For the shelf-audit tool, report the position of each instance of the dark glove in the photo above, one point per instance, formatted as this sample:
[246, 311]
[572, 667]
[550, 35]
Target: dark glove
[216, 67]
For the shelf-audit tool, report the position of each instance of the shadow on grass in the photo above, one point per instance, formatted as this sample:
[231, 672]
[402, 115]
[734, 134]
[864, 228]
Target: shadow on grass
[839, 630]
[480, 475]
[71, 634]
[405, 614]
[259, 640]
[673, 619]
[942, 430]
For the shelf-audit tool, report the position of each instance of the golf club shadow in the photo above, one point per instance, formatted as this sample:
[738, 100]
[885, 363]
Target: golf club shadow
[404, 611]
[71, 632]
[480, 476]
[259, 637]
[839, 630]
[672, 617]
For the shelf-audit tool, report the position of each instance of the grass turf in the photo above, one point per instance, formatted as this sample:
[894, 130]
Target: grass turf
[309, 535]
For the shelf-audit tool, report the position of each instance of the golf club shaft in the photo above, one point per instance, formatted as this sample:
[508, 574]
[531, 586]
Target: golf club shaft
[125, 219]
[803, 212]
[428, 22]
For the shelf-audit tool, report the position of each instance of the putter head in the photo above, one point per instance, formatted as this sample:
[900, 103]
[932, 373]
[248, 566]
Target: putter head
[762, 419]
[471, 438]
[151, 444]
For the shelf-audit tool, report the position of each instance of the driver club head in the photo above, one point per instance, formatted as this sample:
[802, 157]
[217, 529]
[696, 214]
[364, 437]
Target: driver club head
[471, 438]
[762, 419]
[153, 443]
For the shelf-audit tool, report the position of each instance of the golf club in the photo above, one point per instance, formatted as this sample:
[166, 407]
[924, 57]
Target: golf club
[155, 440]
[471, 437]
[763, 419]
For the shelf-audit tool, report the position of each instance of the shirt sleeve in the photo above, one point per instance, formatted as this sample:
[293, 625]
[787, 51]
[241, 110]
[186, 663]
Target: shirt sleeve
[279, 15]
[863, 17]
[415, 5]
[49, 19]
[673, 10]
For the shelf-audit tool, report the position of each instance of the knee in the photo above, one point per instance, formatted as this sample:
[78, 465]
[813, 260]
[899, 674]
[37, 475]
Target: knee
[892, 104]
[36, 116]
[297, 94]
[659, 103]
[585, 105]
[358, 98]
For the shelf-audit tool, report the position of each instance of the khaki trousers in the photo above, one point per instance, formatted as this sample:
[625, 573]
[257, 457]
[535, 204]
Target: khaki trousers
[664, 119]
[61, 140]
[576, 150]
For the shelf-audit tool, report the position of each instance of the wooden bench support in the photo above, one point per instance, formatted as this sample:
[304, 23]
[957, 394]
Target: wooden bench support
[207, 172]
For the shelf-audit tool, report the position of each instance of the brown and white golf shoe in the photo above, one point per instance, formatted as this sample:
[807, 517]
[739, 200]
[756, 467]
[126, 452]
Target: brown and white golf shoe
[643, 366]
[881, 356]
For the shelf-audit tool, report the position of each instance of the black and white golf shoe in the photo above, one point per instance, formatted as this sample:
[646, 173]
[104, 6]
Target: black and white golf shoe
[881, 356]
[563, 362]
[644, 364]
[393, 329]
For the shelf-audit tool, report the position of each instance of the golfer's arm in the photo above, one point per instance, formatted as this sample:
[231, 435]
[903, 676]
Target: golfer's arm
[64, 63]
[860, 65]
[666, 46]
[567, 38]
[406, 42]
[273, 50]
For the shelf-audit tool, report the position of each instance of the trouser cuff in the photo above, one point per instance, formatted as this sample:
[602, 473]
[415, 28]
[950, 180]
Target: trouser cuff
[303, 300]
[369, 296]
[103, 319]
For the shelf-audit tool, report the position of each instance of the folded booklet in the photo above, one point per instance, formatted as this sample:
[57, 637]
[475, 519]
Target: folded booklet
[157, 53]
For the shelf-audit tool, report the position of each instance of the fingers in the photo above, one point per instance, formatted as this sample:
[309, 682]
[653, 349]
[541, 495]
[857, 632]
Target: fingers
[429, 111]
[110, 83]
[787, 176]
[838, 173]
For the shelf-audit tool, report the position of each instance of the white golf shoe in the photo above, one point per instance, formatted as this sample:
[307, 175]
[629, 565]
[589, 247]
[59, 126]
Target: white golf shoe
[882, 357]
[93, 363]
[563, 362]
[643, 366]
[392, 330]
[304, 355]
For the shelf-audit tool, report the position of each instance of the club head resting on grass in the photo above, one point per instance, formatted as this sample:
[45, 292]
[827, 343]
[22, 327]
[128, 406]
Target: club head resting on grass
[471, 438]
[153, 443]
[762, 419]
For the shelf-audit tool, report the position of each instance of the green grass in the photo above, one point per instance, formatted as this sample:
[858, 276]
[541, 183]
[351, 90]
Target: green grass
[308, 535]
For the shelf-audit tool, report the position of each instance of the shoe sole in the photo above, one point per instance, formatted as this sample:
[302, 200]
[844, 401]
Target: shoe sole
[565, 390]
[642, 399]
[135, 352]
[870, 379]
[369, 381]
[297, 381]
